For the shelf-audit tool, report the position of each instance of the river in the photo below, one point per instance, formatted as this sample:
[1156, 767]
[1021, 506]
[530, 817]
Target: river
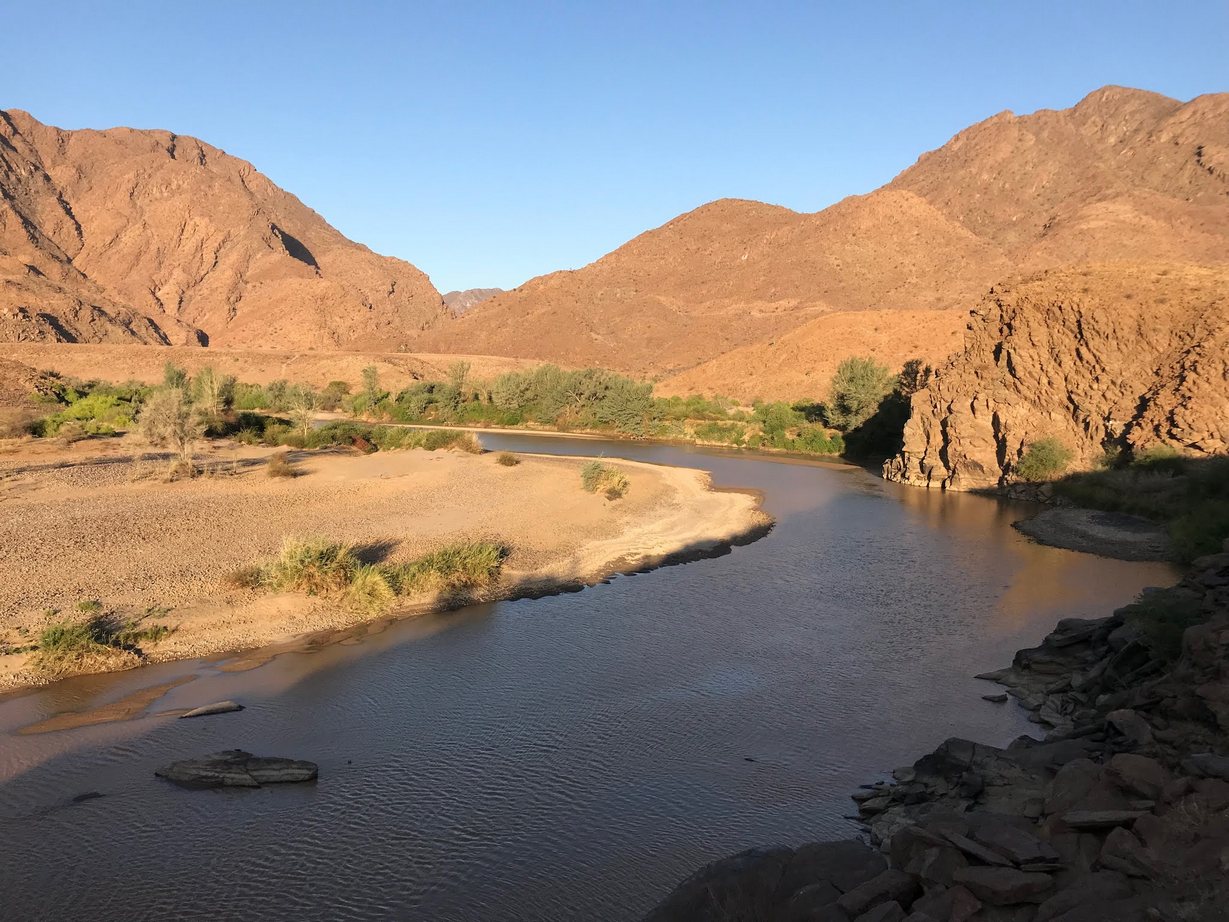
[565, 758]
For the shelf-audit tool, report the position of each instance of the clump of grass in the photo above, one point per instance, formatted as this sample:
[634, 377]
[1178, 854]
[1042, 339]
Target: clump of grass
[369, 590]
[318, 566]
[96, 639]
[468, 442]
[507, 459]
[279, 465]
[596, 477]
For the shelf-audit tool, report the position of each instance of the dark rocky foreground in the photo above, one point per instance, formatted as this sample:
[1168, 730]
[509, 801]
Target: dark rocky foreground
[1120, 814]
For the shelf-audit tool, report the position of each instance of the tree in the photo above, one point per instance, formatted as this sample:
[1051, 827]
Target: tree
[302, 405]
[857, 389]
[458, 373]
[174, 375]
[213, 393]
[169, 419]
[371, 385]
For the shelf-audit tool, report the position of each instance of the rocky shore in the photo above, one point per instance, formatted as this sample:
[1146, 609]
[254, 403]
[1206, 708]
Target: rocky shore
[1120, 814]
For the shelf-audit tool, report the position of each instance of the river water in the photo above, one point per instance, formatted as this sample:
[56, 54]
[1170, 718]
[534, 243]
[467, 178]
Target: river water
[566, 758]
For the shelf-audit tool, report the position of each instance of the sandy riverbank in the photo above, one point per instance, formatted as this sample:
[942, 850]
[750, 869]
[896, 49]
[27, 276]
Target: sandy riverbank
[97, 522]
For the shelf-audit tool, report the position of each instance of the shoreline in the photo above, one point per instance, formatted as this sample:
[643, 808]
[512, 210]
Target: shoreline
[1120, 812]
[572, 540]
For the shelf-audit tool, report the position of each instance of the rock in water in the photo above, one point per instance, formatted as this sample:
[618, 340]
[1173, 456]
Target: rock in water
[218, 707]
[236, 768]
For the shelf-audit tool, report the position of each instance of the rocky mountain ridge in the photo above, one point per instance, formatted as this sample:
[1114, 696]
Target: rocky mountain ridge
[153, 237]
[1126, 176]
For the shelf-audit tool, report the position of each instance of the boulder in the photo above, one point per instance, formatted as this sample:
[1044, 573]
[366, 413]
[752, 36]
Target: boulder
[1015, 844]
[937, 865]
[1207, 765]
[218, 707]
[1131, 725]
[1101, 819]
[1123, 852]
[948, 904]
[1092, 889]
[810, 901]
[236, 768]
[745, 883]
[884, 912]
[844, 864]
[1139, 774]
[890, 886]
[1004, 886]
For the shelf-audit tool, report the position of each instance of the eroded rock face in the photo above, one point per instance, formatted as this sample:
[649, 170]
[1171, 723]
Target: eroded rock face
[1095, 357]
[132, 236]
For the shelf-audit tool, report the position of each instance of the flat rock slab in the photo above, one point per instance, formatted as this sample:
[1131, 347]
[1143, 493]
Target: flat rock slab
[236, 768]
[218, 707]
[1101, 819]
[1109, 534]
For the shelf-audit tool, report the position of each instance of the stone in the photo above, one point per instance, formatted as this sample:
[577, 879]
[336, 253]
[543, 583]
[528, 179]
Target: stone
[1015, 844]
[741, 882]
[976, 850]
[1095, 888]
[1131, 725]
[1138, 774]
[884, 912]
[995, 699]
[937, 865]
[218, 707]
[810, 901]
[1128, 909]
[1004, 886]
[1101, 819]
[949, 904]
[236, 768]
[87, 796]
[910, 842]
[1123, 852]
[891, 885]
[845, 864]
[1207, 765]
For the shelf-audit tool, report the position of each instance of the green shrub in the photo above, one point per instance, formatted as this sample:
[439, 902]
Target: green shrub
[369, 590]
[316, 566]
[596, 477]
[507, 459]
[856, 390]
[1043, 460]
[96, 639]
[465, 565]
[1162, 618]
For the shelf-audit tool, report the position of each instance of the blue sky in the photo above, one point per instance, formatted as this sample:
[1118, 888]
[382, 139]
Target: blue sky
[491, 142]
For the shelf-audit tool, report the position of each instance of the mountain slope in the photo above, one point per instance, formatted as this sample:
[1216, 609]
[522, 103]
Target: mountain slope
[1125, 175]
[147, 236]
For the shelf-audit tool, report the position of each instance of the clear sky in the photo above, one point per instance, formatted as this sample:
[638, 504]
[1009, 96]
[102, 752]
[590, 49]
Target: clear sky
[491, 142]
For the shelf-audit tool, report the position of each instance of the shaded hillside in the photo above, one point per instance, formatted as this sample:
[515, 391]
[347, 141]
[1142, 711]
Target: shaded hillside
[1098, 359]
[147, 236]
[1124, 175]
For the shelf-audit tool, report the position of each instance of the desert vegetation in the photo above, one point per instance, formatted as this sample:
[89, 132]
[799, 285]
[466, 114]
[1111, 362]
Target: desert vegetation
[1190, 496]
[597, 477]
[1043, 460]
[320, 566]
[94, 638]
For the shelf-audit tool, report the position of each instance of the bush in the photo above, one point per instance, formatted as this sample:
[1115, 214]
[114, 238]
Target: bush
[507, 459]
[596, 477]
[1044, 459]
[96, 639]
[279, 465]
[857, 389]
[1162, 618]
[318, 566]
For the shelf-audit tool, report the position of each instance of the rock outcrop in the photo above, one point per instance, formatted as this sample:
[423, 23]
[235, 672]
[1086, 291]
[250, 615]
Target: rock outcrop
[152, 237]
[1099, 358]
[461, 301]
[1121, 813]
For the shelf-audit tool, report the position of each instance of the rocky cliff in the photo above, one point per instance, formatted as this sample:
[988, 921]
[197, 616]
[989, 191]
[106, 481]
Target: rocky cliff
[152, 237]
[1103, 357]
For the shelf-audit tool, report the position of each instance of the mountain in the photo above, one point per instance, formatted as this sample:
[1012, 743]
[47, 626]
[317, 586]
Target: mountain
[1093, 357]
[460, 301]
[152, 237]
[1126, 176]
